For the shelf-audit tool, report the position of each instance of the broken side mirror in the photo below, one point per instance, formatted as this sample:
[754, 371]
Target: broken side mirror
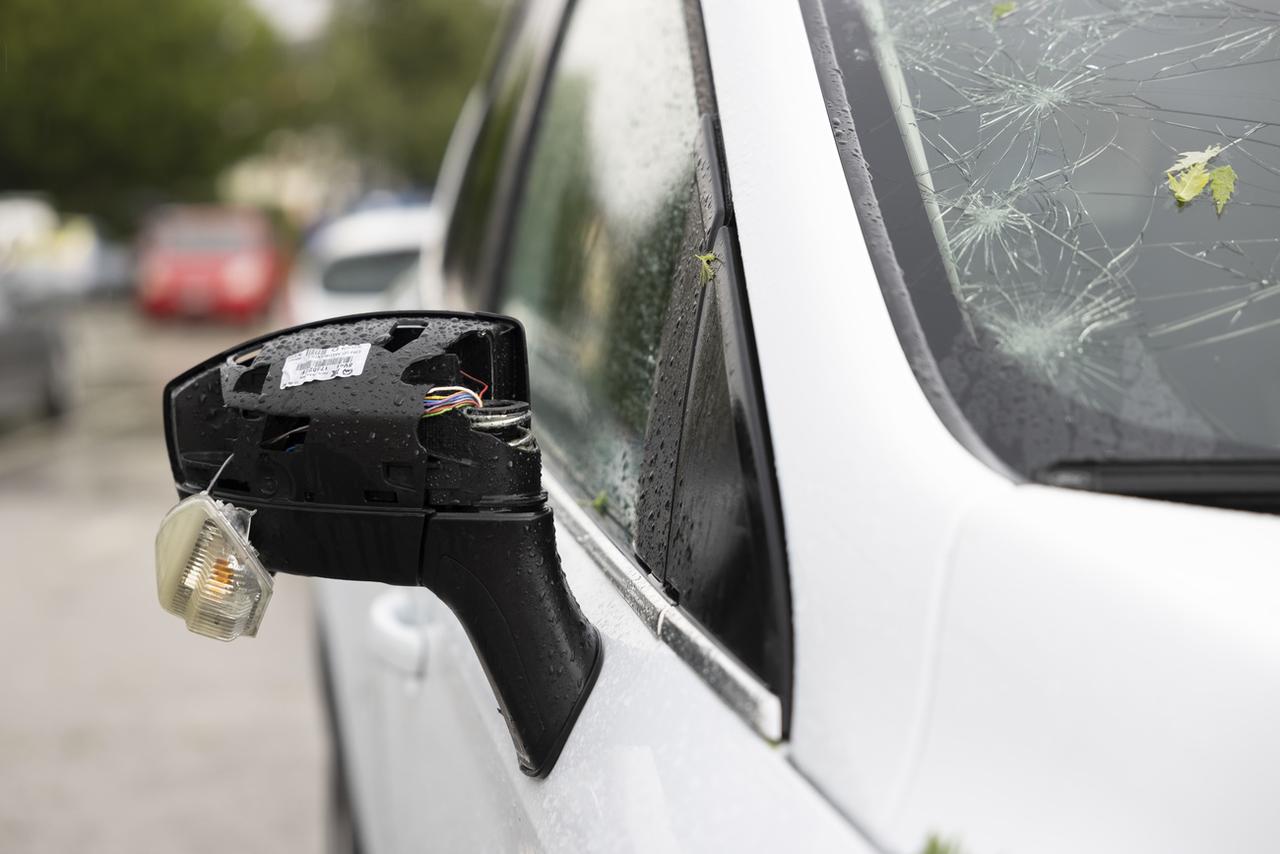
[392, 448]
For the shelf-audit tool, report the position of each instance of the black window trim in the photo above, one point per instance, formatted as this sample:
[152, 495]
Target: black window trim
[756, 448]
[757, 444]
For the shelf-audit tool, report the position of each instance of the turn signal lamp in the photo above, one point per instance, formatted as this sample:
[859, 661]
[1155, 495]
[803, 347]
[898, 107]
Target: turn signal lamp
[206, 570]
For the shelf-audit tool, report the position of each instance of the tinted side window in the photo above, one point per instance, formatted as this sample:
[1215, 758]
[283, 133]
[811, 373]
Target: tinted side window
[603, 225]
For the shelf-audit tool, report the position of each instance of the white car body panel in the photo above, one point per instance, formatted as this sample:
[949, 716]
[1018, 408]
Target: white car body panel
[1019, 667]
[1106, 680]
[870, 511]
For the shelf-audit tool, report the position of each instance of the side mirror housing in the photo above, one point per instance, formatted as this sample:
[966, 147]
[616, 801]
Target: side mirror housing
[392, 448]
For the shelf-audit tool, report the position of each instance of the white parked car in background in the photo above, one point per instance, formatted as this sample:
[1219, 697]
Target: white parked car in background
[46, 257]
[906, 382]
[363, 261]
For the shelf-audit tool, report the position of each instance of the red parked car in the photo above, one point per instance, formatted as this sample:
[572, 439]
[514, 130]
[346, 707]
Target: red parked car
[208, 262]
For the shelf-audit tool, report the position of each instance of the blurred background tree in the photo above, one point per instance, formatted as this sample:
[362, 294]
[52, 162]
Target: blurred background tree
[109, 107]
[396, 73]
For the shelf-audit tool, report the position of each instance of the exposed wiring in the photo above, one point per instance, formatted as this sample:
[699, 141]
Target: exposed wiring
[286, 433]
[217, 474]
[476, 380]
[446, 398]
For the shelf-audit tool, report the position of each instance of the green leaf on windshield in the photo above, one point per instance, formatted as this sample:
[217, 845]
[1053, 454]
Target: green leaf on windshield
[1222, 182]
[1002, 10]
[1189, 159]
[1188, 183]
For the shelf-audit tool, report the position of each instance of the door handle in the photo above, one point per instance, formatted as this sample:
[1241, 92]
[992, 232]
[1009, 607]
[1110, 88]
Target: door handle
[396, 636]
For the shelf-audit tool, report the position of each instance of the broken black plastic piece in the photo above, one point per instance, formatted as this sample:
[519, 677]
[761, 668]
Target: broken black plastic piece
[349, 480]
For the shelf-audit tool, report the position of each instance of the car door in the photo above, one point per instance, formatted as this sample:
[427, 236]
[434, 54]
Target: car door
[613, 244]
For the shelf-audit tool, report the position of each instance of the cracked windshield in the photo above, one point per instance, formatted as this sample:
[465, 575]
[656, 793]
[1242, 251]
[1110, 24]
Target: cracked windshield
[1081, 196]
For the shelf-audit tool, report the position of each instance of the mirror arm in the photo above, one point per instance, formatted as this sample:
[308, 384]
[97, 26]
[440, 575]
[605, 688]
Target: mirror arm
[500, 575]
[497, 570]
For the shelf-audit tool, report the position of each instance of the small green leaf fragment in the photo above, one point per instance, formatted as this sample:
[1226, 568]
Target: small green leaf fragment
[1002, 10]
[935, 844]
[1189, 183]
[1222, 182]
[707, 272]
[601, 502]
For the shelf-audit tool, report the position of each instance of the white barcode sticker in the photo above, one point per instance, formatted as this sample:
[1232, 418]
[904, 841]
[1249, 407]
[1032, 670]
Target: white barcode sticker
[323, 363]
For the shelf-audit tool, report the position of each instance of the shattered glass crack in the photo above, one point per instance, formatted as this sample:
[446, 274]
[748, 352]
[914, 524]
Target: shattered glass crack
[1045, 144]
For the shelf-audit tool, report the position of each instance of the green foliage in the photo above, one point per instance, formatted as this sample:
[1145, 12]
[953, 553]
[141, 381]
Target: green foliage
[394, 74]
[1002, 10]
[110, 106]
[601, 502]
[1222, 182]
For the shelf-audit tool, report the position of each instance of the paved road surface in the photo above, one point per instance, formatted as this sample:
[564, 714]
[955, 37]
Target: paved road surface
[119, 730]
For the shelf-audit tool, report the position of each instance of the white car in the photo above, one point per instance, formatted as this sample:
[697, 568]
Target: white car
[362, 261]
[48, 258]
[902, 379]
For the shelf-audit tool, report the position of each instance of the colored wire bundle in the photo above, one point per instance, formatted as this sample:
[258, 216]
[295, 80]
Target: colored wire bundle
[447, 398]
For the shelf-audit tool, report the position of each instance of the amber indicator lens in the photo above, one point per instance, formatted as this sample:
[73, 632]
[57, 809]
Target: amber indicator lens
[207, 573]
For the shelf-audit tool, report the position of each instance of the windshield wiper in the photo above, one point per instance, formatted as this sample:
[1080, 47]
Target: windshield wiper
[1237, 484]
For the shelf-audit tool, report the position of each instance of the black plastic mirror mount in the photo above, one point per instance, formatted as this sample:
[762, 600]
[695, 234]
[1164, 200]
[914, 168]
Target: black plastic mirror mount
[397, 448]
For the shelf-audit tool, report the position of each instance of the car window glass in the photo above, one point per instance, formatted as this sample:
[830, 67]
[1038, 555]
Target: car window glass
[209, 235]
[368, 274]
[599, 234]
[467, 226]
[509, 103]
